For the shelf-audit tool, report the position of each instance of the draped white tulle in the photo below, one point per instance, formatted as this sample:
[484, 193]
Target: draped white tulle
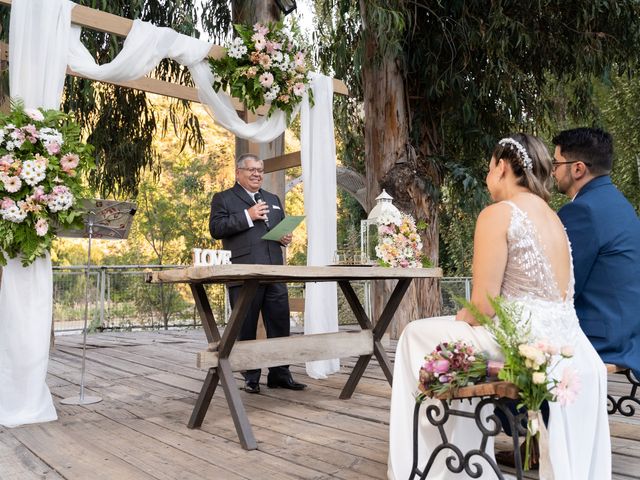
[579, 441]
[42, 43]
[25, 327]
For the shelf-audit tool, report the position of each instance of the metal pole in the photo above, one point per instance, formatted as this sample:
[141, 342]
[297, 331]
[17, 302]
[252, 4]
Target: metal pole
[81, 399]
[103, 276]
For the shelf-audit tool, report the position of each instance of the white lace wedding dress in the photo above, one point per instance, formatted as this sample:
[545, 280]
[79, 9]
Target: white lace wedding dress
[579, 440]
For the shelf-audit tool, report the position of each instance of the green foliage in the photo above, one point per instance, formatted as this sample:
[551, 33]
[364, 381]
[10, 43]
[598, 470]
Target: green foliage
[620, 112]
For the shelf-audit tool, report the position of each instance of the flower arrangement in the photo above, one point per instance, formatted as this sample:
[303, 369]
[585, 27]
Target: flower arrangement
[450, 366]
[41, 163]
[529, 364]
[399, 243]
[265, 64]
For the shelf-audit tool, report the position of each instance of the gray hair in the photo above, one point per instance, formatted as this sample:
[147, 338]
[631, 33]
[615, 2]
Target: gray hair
[246, 156]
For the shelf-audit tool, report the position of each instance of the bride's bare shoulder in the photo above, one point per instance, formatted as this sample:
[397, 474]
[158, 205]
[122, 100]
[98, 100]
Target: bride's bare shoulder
[496, 212]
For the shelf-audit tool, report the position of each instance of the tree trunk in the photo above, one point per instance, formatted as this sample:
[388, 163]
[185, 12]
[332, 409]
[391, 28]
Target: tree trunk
[392, 164]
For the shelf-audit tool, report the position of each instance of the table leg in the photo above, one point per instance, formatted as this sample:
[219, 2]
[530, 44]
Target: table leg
[236, 407]
[378, 331]
[206, 314]
[223, 373]
[204, 399]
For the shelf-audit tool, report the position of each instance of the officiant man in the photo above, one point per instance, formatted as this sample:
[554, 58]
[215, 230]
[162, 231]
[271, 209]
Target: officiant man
[240, 216]
[604, 230]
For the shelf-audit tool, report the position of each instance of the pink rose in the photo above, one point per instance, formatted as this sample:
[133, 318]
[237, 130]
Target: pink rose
[441, 366]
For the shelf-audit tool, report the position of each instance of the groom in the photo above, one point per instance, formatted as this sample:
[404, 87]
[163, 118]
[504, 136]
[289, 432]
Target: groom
[604, 231]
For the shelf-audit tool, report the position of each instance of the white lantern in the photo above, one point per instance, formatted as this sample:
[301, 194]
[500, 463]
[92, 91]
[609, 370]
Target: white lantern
[369, 227]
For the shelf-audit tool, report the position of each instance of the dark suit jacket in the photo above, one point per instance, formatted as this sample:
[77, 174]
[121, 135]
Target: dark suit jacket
[605, 236]
[228, 222]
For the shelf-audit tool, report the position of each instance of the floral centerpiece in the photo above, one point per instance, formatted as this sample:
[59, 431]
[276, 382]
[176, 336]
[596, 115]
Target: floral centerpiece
[41, 163]
[264, 64]
[450, 366]
[529, 364]
[399, 243]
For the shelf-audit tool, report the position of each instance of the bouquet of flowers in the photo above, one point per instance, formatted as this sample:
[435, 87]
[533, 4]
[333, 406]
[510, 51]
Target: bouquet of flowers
[529, 364]
[265, 64]
[399, 243]
[41, 163]
[450, 366]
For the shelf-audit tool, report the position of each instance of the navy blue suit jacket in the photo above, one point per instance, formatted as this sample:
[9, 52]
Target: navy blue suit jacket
[604, 230]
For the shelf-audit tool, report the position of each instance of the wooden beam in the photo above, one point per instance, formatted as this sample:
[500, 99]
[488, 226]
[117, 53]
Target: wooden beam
[282, 162]
[109, 23]
[249, 354]
[147, 84]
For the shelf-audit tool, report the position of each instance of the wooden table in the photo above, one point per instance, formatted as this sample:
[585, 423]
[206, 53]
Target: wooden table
[226, 355]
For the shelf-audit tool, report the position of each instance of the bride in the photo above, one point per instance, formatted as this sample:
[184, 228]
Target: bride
[522, 253]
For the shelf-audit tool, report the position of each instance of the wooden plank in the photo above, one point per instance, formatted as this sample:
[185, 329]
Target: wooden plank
[491, 389]
[250, 354]
[18, 463]
[285, 273]
[109, 23]
[282, 162]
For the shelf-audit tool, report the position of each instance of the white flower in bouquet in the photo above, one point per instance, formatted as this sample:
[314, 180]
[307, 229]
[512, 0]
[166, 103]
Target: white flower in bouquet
[59, 199]
[270, 95]
[33, 171]
[11, 211]
[52, 140]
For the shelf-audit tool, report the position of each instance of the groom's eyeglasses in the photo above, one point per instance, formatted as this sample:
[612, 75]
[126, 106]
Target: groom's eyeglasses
[554, 164]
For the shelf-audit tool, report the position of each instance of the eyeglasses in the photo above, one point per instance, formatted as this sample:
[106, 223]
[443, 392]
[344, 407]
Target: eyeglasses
[554, 164]
[259, 171]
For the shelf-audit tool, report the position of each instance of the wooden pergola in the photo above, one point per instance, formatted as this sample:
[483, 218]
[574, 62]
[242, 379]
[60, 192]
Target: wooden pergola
[115, 25]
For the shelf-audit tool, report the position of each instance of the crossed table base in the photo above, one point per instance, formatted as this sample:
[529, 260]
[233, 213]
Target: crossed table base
[226, 355]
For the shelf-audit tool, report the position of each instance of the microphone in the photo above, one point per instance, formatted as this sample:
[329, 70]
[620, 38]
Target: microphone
[258, 198]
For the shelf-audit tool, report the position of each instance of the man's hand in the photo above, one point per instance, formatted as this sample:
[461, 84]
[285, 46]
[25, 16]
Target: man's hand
[259, 211]
[286, 239]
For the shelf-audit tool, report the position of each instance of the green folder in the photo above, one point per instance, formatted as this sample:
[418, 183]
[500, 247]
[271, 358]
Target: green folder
[286, 226]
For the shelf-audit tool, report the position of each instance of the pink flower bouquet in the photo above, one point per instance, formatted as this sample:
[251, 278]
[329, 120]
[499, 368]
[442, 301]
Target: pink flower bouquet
[450, 366]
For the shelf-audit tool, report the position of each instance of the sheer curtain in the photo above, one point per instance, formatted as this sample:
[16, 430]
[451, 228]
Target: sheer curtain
[42, 43]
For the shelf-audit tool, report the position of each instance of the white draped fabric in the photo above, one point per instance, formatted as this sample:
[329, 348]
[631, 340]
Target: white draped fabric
[36, 75]
[318, 161]
[42, 43]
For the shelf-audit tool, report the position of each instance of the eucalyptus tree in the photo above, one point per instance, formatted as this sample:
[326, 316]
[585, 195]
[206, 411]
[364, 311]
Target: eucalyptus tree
[442, 81]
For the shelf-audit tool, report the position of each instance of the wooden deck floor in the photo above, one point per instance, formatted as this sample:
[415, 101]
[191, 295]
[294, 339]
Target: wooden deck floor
[149, 384]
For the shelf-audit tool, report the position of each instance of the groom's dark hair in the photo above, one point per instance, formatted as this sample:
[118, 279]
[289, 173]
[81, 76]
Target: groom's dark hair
[591, 146]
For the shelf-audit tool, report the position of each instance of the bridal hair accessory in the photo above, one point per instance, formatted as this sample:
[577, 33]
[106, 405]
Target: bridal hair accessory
[527, 164]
